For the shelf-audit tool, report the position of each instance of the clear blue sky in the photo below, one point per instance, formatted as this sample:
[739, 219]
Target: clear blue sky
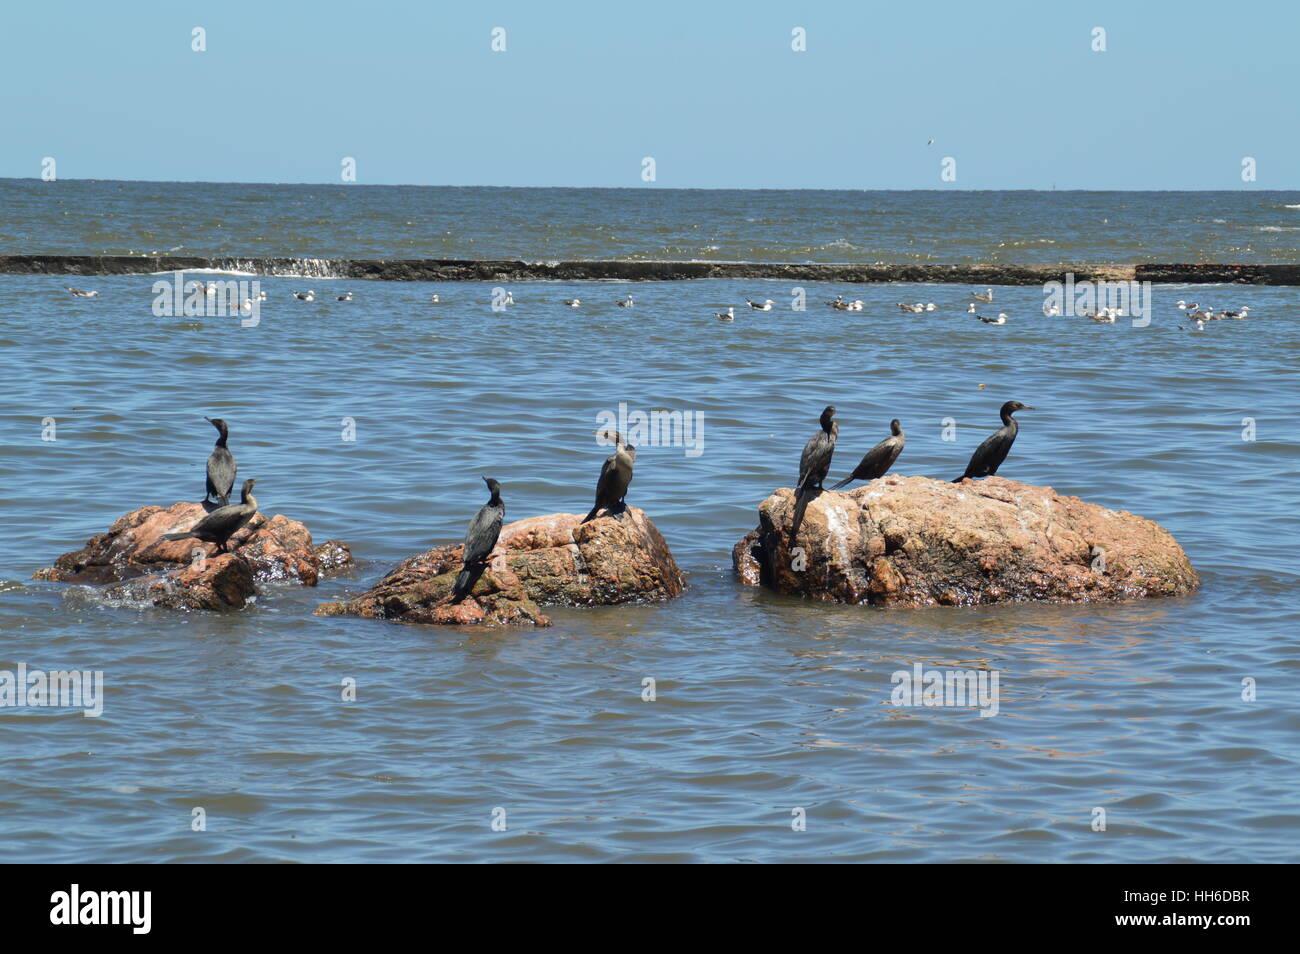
[412, 90]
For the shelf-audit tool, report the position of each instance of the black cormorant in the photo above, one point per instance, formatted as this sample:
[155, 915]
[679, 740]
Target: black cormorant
[988, 457]
[222, 524]
[221, 466]
[880, 458]
[480, 538]
[814, 465]
[615, 475]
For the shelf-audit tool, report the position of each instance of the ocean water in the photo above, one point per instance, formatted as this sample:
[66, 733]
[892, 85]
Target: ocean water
[764, 705]
[341, 221]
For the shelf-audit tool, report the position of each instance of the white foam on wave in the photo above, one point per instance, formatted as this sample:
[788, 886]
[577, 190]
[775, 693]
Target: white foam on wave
[208, 271]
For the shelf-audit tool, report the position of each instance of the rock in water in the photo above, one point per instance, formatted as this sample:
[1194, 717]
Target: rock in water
[913, 541]
[219, 583]
[550, 560]
[275, 549]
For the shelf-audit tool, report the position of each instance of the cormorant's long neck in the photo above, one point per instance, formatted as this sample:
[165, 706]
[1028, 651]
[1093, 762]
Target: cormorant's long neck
[496, 499]
[1007, 419]
[248, 500]
[221, 441]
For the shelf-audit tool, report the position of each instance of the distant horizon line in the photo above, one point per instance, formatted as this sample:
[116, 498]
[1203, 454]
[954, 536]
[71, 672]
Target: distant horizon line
[641, 188]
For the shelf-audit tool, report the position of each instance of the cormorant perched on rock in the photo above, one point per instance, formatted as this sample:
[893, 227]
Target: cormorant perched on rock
[615, 475]
[480, 538]
[220, 525]
[221, 466]
[988, 457]
[880, 458]
[814, 465]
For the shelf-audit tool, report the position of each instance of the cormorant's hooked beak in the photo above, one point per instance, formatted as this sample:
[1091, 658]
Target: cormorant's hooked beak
[1028, 407]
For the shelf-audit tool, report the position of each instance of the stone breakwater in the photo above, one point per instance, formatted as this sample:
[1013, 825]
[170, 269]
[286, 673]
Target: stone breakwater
[448, 270]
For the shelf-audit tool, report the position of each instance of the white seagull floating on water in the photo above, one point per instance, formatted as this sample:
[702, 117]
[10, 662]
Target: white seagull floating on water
[81, 294]
[986, 297]
[728, 315]
[626, 302]
[305, 296]
[766, 306]
[1001, 319]
[573, 302]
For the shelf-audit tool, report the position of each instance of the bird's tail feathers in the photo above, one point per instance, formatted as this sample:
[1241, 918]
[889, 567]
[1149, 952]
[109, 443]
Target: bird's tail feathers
[464, 580]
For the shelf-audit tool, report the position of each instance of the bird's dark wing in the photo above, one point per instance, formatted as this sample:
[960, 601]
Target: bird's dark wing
[482, 534]
[989, 455]
[816, 460]
[221, 473]
[879, 459]
[605, 483]
[808, 459]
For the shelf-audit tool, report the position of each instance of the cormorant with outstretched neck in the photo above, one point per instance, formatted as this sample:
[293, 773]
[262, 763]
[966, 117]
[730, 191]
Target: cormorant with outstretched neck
[222, 524]
[988, 457]
[615, 475]
[221, 466]
[814, 465]
[880, 458]
[480, 538]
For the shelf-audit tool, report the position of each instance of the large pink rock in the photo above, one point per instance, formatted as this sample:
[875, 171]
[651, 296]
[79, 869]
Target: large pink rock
[549, 560]
[914, 541]
[275, 549]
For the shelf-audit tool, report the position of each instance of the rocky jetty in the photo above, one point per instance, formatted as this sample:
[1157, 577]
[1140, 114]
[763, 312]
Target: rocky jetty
[514, 270]
[137, 564]
[553, 560]
[914, 541]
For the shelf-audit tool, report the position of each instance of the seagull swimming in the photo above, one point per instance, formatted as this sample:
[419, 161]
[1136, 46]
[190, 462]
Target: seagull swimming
[1001, 319]
[728, 315]
[81, 294]
[305, 296]
[1200, 326]
[1240, 313]
[930, 306]
[434, 299]
[626, 302]
[210, 289]
[970, 309]
[766, 306]
[987, 296]
[855, 305]
[573, 302]
[346, 296]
